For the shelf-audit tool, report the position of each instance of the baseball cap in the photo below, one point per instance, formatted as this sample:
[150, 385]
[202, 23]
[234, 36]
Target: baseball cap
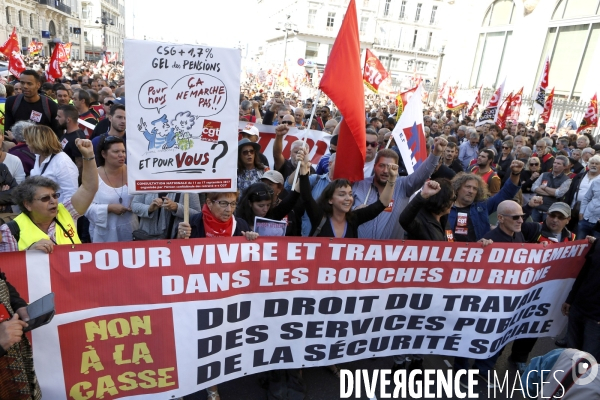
[119, 100]
[273, 176]
[560, 207]
[250, 130]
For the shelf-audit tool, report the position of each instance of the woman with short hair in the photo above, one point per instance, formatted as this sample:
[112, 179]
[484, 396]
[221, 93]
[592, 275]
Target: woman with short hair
[20, 150]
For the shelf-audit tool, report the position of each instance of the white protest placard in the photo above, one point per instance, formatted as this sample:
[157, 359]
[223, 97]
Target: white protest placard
[182, 117]
[269, 227]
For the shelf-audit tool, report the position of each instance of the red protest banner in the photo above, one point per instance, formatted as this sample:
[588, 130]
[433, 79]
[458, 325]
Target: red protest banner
[373, 72]
[172, 317]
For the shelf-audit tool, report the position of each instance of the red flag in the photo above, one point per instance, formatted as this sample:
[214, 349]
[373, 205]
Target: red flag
[515, 107]
[67, 48]
[114, 57]
[402, 100]
[374, 72]
[32, 47]
[105, 58]
[54, 71]
[504, 111]
[476, 102]
[545, 116]
[539, 97]
[590, 119]
[451, 102]
[441, 90]
[342, 81]
[490, 114]
[16, 65]
[11, 45]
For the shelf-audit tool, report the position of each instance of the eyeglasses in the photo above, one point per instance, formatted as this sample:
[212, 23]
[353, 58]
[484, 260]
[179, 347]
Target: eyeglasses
[108, 103]
[514, 217]
[288, 122]
[248, 152]
[46, 198]
[224, 204]
[557, 216]
[506, 148]
[331, 151]
[533, 164]
[373, 144]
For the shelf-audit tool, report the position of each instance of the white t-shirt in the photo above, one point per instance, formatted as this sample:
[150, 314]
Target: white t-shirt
[15, 167]
[368, 169]
[62, 170]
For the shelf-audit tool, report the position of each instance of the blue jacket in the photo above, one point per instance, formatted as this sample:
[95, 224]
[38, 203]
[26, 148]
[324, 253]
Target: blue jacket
[480, 211]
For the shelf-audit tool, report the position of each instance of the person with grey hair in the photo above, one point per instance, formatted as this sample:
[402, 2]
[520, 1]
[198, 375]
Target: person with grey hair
[283, 166]
[21, 150]
[589, 211]
[524, 153]
[586, 154]
[469, 150]
[246, 111]
[461, 134]
[551, 186]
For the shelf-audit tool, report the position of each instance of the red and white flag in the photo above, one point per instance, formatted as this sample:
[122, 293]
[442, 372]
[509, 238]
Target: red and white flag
[58, 54]
[344, 65]
[539, 96]
[11, 45]
[515, 107]
[490, 114]
[16, 64]
[402, 100]
[504, 111]
[409, 134]
[476, 102]
[373, 72]
[545, 116]
[67, 47]
[114, 57]
[590, 119]
[442, 90]
[451, 103]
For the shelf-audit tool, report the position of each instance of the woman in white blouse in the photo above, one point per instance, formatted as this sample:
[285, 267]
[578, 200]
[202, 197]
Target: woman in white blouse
[111, 219]
[50, 161]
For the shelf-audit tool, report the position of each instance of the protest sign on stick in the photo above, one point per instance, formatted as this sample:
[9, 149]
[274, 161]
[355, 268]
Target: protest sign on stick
[185, 102]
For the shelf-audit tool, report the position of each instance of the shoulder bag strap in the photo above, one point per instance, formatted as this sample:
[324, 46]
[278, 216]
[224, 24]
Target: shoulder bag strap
[48, 163]
[318, 230]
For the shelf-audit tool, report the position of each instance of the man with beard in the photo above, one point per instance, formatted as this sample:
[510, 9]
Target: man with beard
[67, 119]
[483, 168]
[450, 157]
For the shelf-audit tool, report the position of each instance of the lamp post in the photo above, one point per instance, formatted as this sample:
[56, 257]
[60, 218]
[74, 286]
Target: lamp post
[287, 27]
[437, 79]
[105, 21]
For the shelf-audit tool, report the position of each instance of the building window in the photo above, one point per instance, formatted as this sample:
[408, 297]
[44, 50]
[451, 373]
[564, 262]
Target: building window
[402, 10]
[20, 18]
[312, 50]
[428, 47]
[312, 15]
[574, 8]
[433, 12]
[414, 43]
[364, 21]
[395, 62]
[85, 12]
[418, 12]
[386, 8]
[330, 20]
[31, 21]
[8, 16]
[499, 13]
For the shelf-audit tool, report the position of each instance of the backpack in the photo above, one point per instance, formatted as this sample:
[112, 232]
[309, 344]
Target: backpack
[45, 105]
[15, 230]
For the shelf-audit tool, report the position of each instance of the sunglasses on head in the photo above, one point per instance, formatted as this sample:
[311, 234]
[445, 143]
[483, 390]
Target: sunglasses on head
[287, 122]
[46, 198]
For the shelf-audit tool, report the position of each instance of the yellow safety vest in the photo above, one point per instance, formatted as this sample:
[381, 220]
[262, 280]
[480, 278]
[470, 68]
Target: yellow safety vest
[30, 233]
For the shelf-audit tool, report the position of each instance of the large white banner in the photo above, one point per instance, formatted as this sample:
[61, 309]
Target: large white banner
[182, 115]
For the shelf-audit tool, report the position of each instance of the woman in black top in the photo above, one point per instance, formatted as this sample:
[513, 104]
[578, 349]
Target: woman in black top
[332, 215]
[503, 161]
[424, 218]
[528, 176]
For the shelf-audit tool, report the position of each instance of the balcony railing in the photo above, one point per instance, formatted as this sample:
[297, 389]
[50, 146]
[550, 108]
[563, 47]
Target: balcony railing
[56, 4]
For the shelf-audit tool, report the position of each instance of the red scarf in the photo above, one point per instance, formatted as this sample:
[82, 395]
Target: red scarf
[214, 227]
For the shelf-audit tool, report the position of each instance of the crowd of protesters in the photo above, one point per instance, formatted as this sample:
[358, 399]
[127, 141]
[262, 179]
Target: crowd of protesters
[64, 181]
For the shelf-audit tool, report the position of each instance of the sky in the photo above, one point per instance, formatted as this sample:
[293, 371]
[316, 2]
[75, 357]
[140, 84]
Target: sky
[220, 23]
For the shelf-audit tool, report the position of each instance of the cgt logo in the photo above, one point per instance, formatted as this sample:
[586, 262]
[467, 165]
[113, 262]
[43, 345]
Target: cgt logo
[210, 131]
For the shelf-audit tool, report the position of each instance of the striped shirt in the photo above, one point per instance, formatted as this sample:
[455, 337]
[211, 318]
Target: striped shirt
[387, 225]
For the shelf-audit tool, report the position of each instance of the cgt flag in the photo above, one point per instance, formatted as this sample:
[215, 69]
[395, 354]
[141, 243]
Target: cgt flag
[342, 81]
[539, 97]
[67, 47]
[374, 72]
[490, 114]
[409, 135]
[451, 104]
[590, 119]
[476, 102]
[504, 111]
[545, 116]
[515, 107]
[11, 45]
[16, 65]
[54, 70]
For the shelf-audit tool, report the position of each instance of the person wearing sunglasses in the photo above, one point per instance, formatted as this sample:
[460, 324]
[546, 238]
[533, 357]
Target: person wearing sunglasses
[45, 221]
[528, 176]
[503, 161]
[249, 167]
[372, 146]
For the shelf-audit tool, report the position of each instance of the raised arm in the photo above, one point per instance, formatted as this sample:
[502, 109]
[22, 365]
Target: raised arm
[280, 132]
[84, 196]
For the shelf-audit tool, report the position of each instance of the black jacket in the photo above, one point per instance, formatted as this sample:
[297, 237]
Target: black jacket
[584, 293]
[6, 179]
[420, 224]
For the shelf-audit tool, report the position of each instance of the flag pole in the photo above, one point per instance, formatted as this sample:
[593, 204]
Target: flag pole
[312, 114]
[186, 208]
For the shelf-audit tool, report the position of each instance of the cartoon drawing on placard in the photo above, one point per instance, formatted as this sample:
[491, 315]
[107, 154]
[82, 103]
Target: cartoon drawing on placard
[162, 135]
[182, 124]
